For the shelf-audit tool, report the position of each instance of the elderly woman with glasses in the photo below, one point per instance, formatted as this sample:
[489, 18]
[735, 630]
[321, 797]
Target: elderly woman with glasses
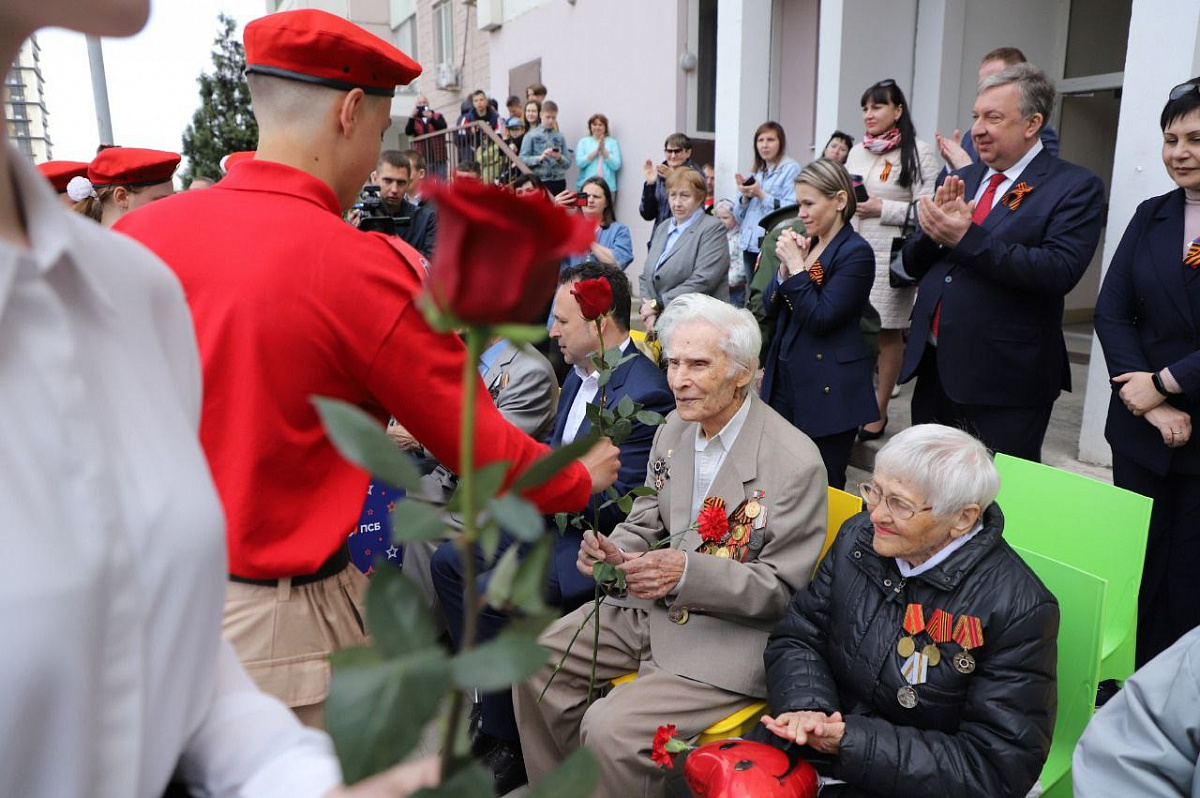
[921, 658]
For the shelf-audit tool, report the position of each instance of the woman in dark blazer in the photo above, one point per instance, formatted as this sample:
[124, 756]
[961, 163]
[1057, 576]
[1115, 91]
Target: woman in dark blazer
[1147, 320]
[817, 372]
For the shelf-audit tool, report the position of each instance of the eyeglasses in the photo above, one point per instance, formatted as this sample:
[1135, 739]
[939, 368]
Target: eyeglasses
[899, 508]
[1182, 90]
[671, 151]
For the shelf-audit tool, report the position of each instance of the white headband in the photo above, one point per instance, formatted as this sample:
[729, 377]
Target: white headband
[80, 188]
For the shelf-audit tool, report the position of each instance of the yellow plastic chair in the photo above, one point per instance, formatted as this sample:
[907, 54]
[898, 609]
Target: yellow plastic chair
[840, 506]
[651, 349]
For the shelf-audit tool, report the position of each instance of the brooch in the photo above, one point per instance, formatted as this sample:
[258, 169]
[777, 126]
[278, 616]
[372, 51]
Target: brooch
[661, 470]
[1012, 199]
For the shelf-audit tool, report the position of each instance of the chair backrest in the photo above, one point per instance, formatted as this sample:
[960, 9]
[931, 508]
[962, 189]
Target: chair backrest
[1081, 604]
[840, 507]
[1085, 523]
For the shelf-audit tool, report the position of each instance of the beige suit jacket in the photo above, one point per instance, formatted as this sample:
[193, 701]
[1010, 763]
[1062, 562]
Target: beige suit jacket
[731, 606]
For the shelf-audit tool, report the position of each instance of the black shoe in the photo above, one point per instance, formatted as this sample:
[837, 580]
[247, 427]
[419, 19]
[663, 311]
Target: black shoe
[475, 723]
[508, 767]
[865, 434]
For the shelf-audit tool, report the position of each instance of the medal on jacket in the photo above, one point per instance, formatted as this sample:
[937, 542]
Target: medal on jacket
[968, 633]
[914, 624]
[756, 510]
[915, 671]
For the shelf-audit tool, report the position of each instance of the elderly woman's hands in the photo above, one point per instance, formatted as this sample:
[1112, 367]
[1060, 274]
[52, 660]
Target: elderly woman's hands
[816, 729]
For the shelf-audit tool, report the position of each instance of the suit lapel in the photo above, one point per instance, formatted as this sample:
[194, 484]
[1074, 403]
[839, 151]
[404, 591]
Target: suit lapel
[679, 242]
[565, 400]
[1035, 175]
[1166, 239]
[610, 391]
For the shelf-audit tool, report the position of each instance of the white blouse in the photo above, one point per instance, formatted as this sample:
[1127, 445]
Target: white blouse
[112, 577]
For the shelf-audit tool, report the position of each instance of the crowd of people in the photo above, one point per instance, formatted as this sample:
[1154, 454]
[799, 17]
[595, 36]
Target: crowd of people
[917, 656]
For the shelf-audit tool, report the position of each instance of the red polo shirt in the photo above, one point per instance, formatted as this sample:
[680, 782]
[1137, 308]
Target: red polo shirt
[288, 302]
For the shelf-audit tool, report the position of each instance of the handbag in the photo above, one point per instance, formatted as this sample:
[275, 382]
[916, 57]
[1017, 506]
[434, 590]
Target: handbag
[897, 277]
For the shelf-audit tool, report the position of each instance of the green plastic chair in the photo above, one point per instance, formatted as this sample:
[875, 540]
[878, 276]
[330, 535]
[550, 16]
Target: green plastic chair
[1092, 526]
[1081, 602]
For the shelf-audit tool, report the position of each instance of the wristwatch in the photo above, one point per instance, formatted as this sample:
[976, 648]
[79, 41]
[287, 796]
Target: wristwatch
[1158, 384]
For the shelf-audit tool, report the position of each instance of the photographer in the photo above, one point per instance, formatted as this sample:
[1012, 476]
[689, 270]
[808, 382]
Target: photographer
[383, 206]
[425, 120]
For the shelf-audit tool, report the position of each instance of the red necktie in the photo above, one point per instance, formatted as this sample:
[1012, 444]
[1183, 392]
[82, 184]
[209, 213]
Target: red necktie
[982, 207]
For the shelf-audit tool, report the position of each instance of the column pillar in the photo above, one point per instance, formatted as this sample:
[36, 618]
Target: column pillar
[743, 85]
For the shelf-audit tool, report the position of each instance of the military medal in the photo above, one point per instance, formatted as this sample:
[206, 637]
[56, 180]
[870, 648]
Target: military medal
[756, 510]
[678, 615]
[915, 671]
[661, 472]
[933, 654]
[914, 624]
[968, 633]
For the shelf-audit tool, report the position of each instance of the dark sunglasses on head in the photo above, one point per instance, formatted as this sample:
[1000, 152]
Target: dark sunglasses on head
[1182, 90]
[886, 83]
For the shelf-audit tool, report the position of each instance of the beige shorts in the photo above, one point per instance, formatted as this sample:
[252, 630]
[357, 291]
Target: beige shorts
[284, 635]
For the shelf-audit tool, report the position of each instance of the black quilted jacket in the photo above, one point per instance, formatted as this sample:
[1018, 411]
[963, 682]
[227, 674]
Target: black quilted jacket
[982, 734]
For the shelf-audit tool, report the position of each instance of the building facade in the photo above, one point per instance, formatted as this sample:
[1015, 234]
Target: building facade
[25, 104]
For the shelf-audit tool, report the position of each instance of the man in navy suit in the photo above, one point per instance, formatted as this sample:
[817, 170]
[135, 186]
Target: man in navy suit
[1003, 241]
[644, 383]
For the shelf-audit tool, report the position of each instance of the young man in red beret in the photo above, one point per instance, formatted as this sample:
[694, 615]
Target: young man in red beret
[60, 174]
[289, 302]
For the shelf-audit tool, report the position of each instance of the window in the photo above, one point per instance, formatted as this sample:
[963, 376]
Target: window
[404, 30]
[16, 91]
[443, 32]
[19, 111]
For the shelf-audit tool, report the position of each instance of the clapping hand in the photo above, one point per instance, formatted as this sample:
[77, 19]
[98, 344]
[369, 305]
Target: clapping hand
[951, 151]
[816, 729]
[946, 216]
[649, 171]
[792, 249]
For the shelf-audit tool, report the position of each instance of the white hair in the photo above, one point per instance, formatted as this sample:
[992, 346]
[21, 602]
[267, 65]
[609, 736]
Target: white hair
[740, 336]
[948, 466]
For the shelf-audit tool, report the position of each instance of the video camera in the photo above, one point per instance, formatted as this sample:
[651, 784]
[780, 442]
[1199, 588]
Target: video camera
[374, 217]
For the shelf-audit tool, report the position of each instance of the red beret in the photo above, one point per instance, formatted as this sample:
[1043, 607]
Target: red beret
[131, 166]
[59, 173]
[318, 47]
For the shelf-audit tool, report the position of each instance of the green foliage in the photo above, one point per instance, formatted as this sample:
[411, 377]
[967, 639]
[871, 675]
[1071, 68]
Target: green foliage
[376, 710]
[518, 517]
[546, 467]
[498, 663]
[577, 775]
[359, 438]
[396, 616]
[414, 521]
[223, 123]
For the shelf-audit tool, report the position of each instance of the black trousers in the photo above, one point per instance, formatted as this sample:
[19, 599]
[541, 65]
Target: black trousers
[1169, 600]
[1016, 431]
[835, 448]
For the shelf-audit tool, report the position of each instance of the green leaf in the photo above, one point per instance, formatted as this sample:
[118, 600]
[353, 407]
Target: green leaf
[604, 377]
[621, 430]
[414, 521]
[473, 781]
[592, 413]
[604, 572]
[612, 493]
[356, 656]
[397, 617]
[499, 663]
[560, 520]
[500, 583]
[625, 407]
[644, 490]
[612, 357]
[576, 777]
[530, 580]
[650, 418]
[546, 467]
[521, 333]
[518, 517]
[376, 713]
[358, 437]
[625, 504]
[489, 543]
[488, 481]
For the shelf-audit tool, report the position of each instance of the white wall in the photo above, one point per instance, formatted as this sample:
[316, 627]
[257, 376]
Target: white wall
[743, 84]
[629, 77]
[1164, 49]
[876, 43]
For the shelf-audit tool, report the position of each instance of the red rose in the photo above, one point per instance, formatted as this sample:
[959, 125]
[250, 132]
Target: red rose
[595, 297]
[658, 752]
[712, 523]
[498, 253]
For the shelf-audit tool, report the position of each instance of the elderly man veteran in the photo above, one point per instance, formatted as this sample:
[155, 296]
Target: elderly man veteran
[695, 621]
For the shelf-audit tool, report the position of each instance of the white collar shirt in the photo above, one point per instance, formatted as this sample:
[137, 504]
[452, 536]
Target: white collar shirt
[908, 571]
[711, 453]
[1011, 174]
[587, 392]
[113, 580]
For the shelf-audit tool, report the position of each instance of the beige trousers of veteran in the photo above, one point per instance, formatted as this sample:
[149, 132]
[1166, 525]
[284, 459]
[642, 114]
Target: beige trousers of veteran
[284, 635]
[618, 729]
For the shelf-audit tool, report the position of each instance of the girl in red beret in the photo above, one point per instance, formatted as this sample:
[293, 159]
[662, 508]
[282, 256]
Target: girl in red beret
[123, 179]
